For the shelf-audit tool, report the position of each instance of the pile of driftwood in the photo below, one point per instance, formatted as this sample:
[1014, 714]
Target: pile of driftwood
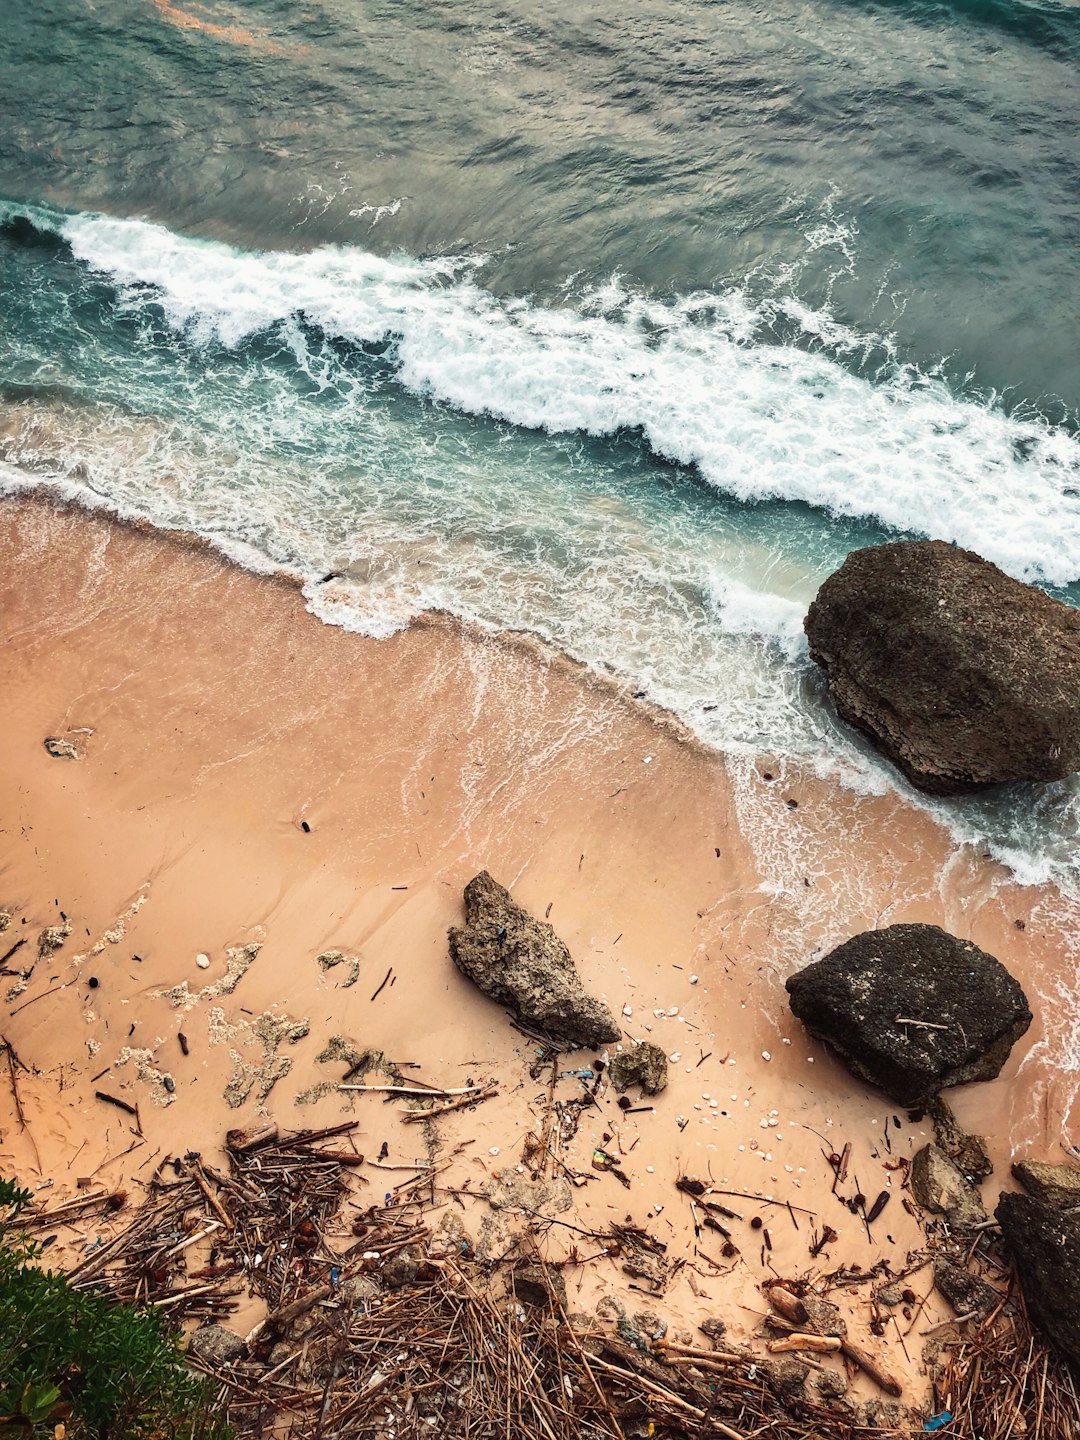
[375, 1328]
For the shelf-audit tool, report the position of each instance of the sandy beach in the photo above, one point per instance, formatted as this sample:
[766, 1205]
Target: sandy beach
[253, 789]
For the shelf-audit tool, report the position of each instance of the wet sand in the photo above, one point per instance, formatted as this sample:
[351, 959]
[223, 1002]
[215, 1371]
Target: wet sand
[214, 718]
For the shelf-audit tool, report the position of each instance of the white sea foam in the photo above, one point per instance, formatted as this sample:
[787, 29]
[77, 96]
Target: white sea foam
[698, 376]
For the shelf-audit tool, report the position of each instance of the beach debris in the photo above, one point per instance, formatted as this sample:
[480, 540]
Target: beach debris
[51, 938]
[644, 1064]
[1055, 1184]
[61, 749]
[331, 959]
[909, 633]
[798, 1310]
[1044, 1241]
[269, 1032]
[520, 962]
[941, 1187]
[238, 961]
[912, 1009]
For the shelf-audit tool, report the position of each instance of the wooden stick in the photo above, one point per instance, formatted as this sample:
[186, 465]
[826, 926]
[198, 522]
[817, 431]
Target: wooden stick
[469, 1099]
[413, 1090]
[819, 1344]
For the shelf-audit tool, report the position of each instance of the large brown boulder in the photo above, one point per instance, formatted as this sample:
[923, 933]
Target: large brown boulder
[961, 675]
[520, 962]
[1045, 1243]
[912, 1009]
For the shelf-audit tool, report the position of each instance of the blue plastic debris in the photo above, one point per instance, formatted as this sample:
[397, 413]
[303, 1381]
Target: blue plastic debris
[333, 1274]
[937, 1422]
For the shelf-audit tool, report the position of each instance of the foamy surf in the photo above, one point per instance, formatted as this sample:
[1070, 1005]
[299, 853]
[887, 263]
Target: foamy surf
[700, 377]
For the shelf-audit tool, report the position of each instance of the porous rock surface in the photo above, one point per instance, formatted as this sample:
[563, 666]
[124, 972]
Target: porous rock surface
[521, 963]
[1045, 1243]
[912, 1009]
[961, 675]
[940, 1187]
[645, 1065]
[1056, 1184]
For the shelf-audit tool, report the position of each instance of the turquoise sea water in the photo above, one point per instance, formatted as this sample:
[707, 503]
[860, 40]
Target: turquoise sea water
[621, 328]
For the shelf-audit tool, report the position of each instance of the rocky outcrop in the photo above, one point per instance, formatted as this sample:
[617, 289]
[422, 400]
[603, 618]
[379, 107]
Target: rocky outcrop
[912, 1009]
[521, 963]
[645, 1065]
[942, 1189]
[961, 675]
[1045, 1243]
[1058, 1185]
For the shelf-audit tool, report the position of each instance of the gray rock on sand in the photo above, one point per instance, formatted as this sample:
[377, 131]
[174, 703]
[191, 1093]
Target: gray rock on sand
[1045, 1243]
[217, 1346]
[959, 674]
[966, 1293]
[521, 963]
[940, 1187]
[912, 1009]
[644, 1064]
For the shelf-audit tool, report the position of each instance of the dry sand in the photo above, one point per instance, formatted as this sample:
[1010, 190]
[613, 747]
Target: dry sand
[213, 714]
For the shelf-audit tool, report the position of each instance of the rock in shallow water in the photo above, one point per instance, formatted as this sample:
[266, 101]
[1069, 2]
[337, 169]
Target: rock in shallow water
[912, 1009]
[961, 675]
[520, 962]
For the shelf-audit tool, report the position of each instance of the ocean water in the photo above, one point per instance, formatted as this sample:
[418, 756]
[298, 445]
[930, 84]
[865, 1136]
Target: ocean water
[622, 329]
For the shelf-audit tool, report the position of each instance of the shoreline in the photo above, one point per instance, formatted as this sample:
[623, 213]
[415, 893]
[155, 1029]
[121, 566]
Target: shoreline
[215, 715]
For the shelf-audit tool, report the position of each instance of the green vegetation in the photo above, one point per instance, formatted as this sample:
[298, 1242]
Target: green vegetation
[77, 1360]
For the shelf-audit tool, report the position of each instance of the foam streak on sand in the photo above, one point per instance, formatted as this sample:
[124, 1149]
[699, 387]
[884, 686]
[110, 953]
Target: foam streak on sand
[220, 715]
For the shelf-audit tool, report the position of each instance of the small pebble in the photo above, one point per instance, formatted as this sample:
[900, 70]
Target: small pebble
[203, 961]
[675, 1058]
[169, 1083]
[494, 1150]
[627, 1010]
[765, 1055]
[693, 979]
[674, 1010]
[649, 1169]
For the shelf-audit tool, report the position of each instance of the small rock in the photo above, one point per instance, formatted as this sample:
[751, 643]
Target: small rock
[216, 1346]
[890, 1295]
[1057, 1185]
[539, 1285]
[825, 1317]
[830, 1384]
[785, 1377]
[202, 961]
[645, 1065]
[400, 1270]
[61, 749]
[965, 1292]
[941, 1188]
[713, 1327]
